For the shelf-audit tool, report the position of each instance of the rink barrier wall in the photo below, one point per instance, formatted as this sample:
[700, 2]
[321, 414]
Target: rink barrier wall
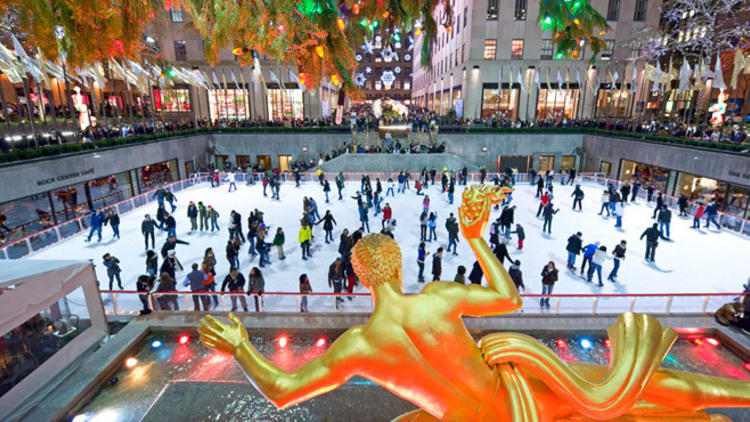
[35, 242]
[125, 302]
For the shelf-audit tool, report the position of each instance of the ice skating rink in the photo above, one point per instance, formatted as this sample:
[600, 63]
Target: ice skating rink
[704, 260]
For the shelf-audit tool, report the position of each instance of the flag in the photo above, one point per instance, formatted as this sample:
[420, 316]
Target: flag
[274, 78]
[536, 79]
[559, 79]
[500, 82]
[549, 85]
[633, 78]
[520, 81]
[510, 78]
[684, 77]
[578, 78]
[739, 66]
[26, 61]
[567, 78]
[657, 77]
[294, 78]
[213, 78]
[719, 75]
[234, 79]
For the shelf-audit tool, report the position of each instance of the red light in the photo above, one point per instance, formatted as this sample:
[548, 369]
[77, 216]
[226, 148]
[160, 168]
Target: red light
[712, 341]
[183, 340]
[321, 342]
[746, 366]
[283, 341]
[608, 342]
[561, 344]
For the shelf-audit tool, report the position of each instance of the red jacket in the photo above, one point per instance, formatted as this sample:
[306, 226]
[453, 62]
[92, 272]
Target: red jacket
[387, 213]
[699, 211]
[545, 199]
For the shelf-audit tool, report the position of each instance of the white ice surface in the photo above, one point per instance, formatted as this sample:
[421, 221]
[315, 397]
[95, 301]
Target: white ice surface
[704, 260]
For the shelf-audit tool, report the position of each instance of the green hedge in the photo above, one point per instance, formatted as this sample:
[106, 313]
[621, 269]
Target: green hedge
[70, 148]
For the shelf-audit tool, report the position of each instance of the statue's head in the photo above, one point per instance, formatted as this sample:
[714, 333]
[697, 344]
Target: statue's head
[376, 259]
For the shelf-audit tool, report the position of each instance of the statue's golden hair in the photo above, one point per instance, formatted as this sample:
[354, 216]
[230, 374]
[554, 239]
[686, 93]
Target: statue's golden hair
[376, 259]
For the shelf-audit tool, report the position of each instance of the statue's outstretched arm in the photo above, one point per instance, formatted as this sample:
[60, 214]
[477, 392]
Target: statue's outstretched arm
[318, 376]
[502, 295]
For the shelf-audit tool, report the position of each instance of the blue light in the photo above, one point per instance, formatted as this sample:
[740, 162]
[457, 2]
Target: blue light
[155, 344]
[586, 343]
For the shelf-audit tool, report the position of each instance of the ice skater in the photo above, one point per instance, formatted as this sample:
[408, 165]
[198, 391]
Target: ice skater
[213, 215]
[96, 221]
[548, 213]
[665, 218]
[113, 270]
[192, 214]
[698, 215]
[328, 223]
[113, 219]
[326, 189]
[605, 202]
[597, 261]
[574, 249]
[712, 210]
[232, 182]
[652, 235]
[618, 255]
[147, 230]
[549, 278]
[577, 197]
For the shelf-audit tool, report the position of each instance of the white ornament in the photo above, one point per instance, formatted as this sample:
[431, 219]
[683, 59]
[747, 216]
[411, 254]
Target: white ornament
[360, 79]
[59, 32]
[358, 57]
[387, 54]
[398, 45]
[411, 43]
[369, 46]
[388, 77]
[368, 69]
[407, 57]
[397, 69]
[378, 38]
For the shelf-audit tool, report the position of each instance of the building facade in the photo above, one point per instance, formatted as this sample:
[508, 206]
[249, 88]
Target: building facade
[385, 66]
[496, 62]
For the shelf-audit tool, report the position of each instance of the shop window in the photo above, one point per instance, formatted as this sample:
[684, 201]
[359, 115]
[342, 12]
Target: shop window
[285, 104]
[490, 47]
[605, 167]
[173, 100]
[568, 162]
[546, 162]
[158, 174]
[557, 104]
[502, 104]
[285, 162]
[516, 50]
[25, 216]
[263, 162]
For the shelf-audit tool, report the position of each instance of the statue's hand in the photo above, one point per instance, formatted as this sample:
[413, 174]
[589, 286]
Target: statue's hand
[474, 212]
[220, 336]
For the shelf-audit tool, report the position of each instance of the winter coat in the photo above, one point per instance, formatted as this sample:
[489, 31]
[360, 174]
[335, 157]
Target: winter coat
[231, 250]
[147, 226]
[501, 252]
[437, 265]
[578, 193]
[519, 231]
[278, 240]
[506, 217]
[328, 222]
[589, 250]
[96, 219]
[145, 283]
[619, 209]
[213, 214]
[652, 235]
[548, 211]
[516, 276]
[665, 216]
[152, 261]
[170, 222]
[605, 198]
[304, 234]
[166, 283]
[432, 223]
[453, 230]
[699, 211]
[112, 267]
[422, 220]
[170, 266]
[305, 287]
[345, 245]
[114, 220]
[202, 210]
[161, 214]
[234, 284]
[326, 187]
[574, 244]
[421, 255]
[549, 277]
[335, 273]
[255, 284]
[476, 274]
[192, 211]
[712, 209]
[619, 252]
[387, 213]
[195, 279]
[544, 199]
[599, 257]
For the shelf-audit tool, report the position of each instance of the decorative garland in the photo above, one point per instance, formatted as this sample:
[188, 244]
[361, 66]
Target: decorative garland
[318, 36]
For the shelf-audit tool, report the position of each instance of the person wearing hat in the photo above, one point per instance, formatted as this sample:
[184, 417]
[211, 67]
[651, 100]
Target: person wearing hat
[515, 274]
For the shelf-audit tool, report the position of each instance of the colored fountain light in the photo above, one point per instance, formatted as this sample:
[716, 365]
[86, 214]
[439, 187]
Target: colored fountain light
[156, 344]
[283, 341]
[183, 339]
[321, 342]
[131, 362]
[746, 365]
[712, 341]
[586, 344]
[608, 343]
[697, 342]
[561, 344]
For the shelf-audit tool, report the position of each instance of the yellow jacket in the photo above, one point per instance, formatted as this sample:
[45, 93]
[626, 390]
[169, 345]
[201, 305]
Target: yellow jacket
[304, 233]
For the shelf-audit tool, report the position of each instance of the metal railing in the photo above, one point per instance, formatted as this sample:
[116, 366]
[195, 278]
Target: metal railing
[128, 302]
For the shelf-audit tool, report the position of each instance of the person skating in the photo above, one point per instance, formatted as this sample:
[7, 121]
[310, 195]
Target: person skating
[263, 247]
[326, 189]
[113, 219]
[619, 213]
[624, 191]
[232, 253]
[549, 278]
[578, 197]
[495, 233]
[278, 241]
[159, 194]
[236, 224]
[203, 216]
[682, 203]
[588, 254]
[665, 218]
[235, 283]
[389, 186]
[543, 201]
[659, 205]
[482, 175]
[712, 210]
[418, 187]
[113, 270]
[152, 262]
[364, 219]
[171, 199]
[213, 215]
[575, 243]
[252, 234]
[256, 285]
[506, 219]
[232, 182]
[336, 279]
[96, 221]
[264, 182]
[167, 284]
[147, 230]
[618, 254]
[170, 244]
[210, 283]
[605, 202]
[453, 229]
[328, 223]
[548, 213]
[422, 255]
[600, 255]
[437, 264]
[340, 185]
[143, 285]
[451, 191]
[650, 192]
[426, 204]
[276, 187]
[634, 193]
[539, 187]
[304, 238]
[432, 225]
[501, 251]
[521, 235]
[652, 235]
[345, 245]
[196, 279]
[387, 215]
[516, 275]
[192, 213]
[698, 215]
[171, 265]
[401, 182]
[305, 289]
[297, 177]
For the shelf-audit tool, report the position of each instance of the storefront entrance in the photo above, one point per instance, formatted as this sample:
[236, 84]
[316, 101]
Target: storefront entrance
[518, 162]
[263, 162]
[285, 162]
[546, 162]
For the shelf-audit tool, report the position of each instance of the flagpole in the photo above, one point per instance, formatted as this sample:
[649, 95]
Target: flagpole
[29, 111]
[582, 95]
[5, 106]
[528, 98]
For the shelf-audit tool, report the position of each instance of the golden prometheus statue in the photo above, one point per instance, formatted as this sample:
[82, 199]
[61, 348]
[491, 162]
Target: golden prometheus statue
[417, 347]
